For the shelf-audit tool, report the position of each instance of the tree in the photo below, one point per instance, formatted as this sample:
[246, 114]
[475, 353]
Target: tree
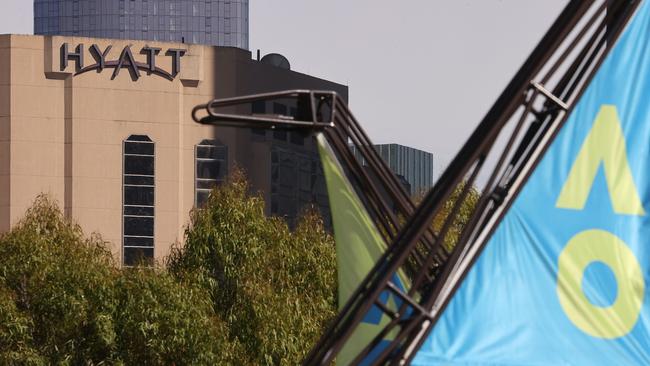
[61, 286]
[275, 289]
[64, 301]
[164, 322]
[244, 289]
[16, 343]
[463, 215]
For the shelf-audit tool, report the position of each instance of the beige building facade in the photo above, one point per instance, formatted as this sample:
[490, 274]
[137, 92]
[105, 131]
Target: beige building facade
[105, 127]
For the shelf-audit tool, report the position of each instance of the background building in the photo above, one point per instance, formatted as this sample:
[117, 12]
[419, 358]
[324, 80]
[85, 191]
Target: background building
[115, 144]
[210, 22]
[412, 166]
[416, 166]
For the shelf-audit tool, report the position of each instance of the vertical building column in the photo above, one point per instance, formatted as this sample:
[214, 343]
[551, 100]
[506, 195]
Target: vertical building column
[181, 167]
[5, 135]
[68, 156]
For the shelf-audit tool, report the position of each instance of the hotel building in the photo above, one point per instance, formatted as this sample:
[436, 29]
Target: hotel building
[104, 126]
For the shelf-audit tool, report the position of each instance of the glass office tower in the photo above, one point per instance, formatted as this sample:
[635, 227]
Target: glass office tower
[416, 166]
[210, 22]
[413, 165]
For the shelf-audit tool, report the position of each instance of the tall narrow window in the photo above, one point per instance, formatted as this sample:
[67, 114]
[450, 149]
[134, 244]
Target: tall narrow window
[211, 168]
[138, 200]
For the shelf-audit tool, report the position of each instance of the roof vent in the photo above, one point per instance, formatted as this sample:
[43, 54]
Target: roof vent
[277, 60]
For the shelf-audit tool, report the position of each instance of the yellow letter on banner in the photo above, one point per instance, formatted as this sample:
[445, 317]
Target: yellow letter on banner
[603, 322]
[605, 143]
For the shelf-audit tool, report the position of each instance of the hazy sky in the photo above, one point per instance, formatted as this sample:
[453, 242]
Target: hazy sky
[421, 72]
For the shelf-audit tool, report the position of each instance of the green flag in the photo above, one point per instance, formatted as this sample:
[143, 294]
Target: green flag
[358, 247]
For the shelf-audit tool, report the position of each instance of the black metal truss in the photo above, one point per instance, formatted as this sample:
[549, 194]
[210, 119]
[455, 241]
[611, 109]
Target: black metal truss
[528, 114]
[322, 111]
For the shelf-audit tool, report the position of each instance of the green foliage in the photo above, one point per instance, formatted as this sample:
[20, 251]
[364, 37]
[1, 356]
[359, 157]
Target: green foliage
[164, 322]
[61, 283]
[275, 289]
[64, 301]
[463, 215]
[243, 290]
[15, 334]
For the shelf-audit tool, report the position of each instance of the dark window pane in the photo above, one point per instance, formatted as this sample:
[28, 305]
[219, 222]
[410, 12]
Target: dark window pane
[138, 211]
[205, 152]
[275, 173]
[279, 108]
[304, 199]
[287, 175]
[132, 241]
[280, 135]
[141, 165]
[209, 169]
[258, 131]
[259, 107]
[206, 184]
[202, 198]
[297, 138]
[139, 226]
[138, 256]
[304, 180]
[211, 152]
[138, 180]
[138, 138]
[140, 148]
[138, 196]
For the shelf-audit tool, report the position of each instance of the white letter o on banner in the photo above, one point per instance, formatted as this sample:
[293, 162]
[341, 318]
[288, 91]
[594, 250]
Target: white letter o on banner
[603, 322]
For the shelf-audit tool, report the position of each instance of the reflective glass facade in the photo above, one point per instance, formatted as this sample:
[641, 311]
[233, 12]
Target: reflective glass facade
[297, 180]
[210, 22]
[416, 166]
[413, 165]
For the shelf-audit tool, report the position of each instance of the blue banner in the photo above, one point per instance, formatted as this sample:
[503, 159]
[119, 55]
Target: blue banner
[564, 279]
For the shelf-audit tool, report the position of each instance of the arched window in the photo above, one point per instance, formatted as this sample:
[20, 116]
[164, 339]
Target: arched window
[211, 168]
[138, 196]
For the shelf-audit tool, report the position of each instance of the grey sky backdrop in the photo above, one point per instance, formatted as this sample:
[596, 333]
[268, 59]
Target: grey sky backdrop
[421, 72]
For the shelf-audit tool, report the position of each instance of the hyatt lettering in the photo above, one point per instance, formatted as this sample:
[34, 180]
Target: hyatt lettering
[125, 61]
